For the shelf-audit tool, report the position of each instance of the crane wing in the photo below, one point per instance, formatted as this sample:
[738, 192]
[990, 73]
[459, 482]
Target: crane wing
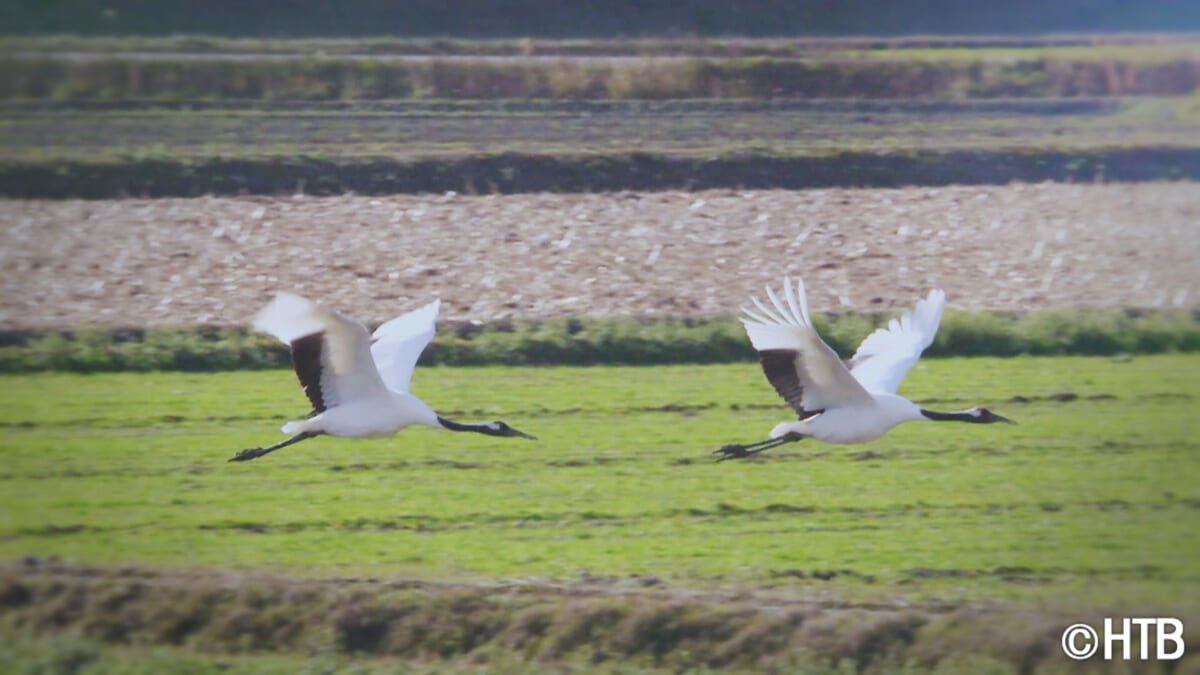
[886, 356]
[398, 343]
[330, 351]
[797, 362]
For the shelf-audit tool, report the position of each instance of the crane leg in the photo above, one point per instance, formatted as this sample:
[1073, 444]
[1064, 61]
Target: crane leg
[252, 453]
[735, 451]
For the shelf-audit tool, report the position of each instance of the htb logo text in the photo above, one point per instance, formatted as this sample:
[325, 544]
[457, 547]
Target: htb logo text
[1081, 641]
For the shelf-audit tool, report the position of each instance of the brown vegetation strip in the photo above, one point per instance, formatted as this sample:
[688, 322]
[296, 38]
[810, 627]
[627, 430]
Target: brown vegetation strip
[197, 46]
[117, 77]
[597, 620]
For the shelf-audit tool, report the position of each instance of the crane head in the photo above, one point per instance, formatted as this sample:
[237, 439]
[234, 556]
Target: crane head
[499, 428]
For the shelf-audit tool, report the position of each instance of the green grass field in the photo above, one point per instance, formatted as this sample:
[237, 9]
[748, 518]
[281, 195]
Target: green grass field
[1092, 499]
[899, 552]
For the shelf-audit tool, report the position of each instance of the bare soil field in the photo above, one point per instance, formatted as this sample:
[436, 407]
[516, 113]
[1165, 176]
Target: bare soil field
[143, 262]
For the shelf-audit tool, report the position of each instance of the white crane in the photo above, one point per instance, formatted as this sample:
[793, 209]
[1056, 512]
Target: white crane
[357, 382]
[841, 403]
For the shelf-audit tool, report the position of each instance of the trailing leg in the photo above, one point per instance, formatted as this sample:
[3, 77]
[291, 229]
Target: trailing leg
[252, 453]
[736, 451]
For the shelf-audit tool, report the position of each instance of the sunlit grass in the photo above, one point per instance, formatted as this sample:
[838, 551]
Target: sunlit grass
[1091, 498]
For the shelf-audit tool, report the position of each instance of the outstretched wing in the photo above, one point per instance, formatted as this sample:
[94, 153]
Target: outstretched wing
[397, 344]
[329, 350]
[797, 362]
[886, 356]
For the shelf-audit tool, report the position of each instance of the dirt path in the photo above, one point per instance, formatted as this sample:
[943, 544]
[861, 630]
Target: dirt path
[145, 262]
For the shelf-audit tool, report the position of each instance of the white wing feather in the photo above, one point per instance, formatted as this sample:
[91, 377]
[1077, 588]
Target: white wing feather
[397, 344]
[824, 378]
[886, 356]
[347, 371]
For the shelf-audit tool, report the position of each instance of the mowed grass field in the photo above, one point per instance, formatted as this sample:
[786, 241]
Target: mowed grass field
[1091, 501]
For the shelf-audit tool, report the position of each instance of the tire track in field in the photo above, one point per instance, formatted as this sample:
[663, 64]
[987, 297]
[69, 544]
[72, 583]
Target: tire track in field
[701, 456]
[773, 512]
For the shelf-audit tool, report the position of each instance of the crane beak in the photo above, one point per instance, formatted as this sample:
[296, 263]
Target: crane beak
[988, 417]
[522, 434]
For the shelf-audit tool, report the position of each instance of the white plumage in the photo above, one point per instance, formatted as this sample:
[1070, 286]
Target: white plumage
[397, 344]
[886, 355]
[358, 383]
[836, 403]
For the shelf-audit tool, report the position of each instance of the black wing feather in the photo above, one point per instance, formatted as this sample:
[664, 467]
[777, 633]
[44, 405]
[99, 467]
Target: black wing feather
[306, 359]
[782, 368]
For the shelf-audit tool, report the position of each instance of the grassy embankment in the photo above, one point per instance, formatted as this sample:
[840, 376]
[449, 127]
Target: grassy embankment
[903, 551]
[606, 341]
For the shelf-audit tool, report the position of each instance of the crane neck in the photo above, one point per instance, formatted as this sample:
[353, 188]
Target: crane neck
[960, 416]
[488, 428]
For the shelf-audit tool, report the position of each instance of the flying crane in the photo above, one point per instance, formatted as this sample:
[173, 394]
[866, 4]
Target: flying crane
[357, 382]
[853, 402]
